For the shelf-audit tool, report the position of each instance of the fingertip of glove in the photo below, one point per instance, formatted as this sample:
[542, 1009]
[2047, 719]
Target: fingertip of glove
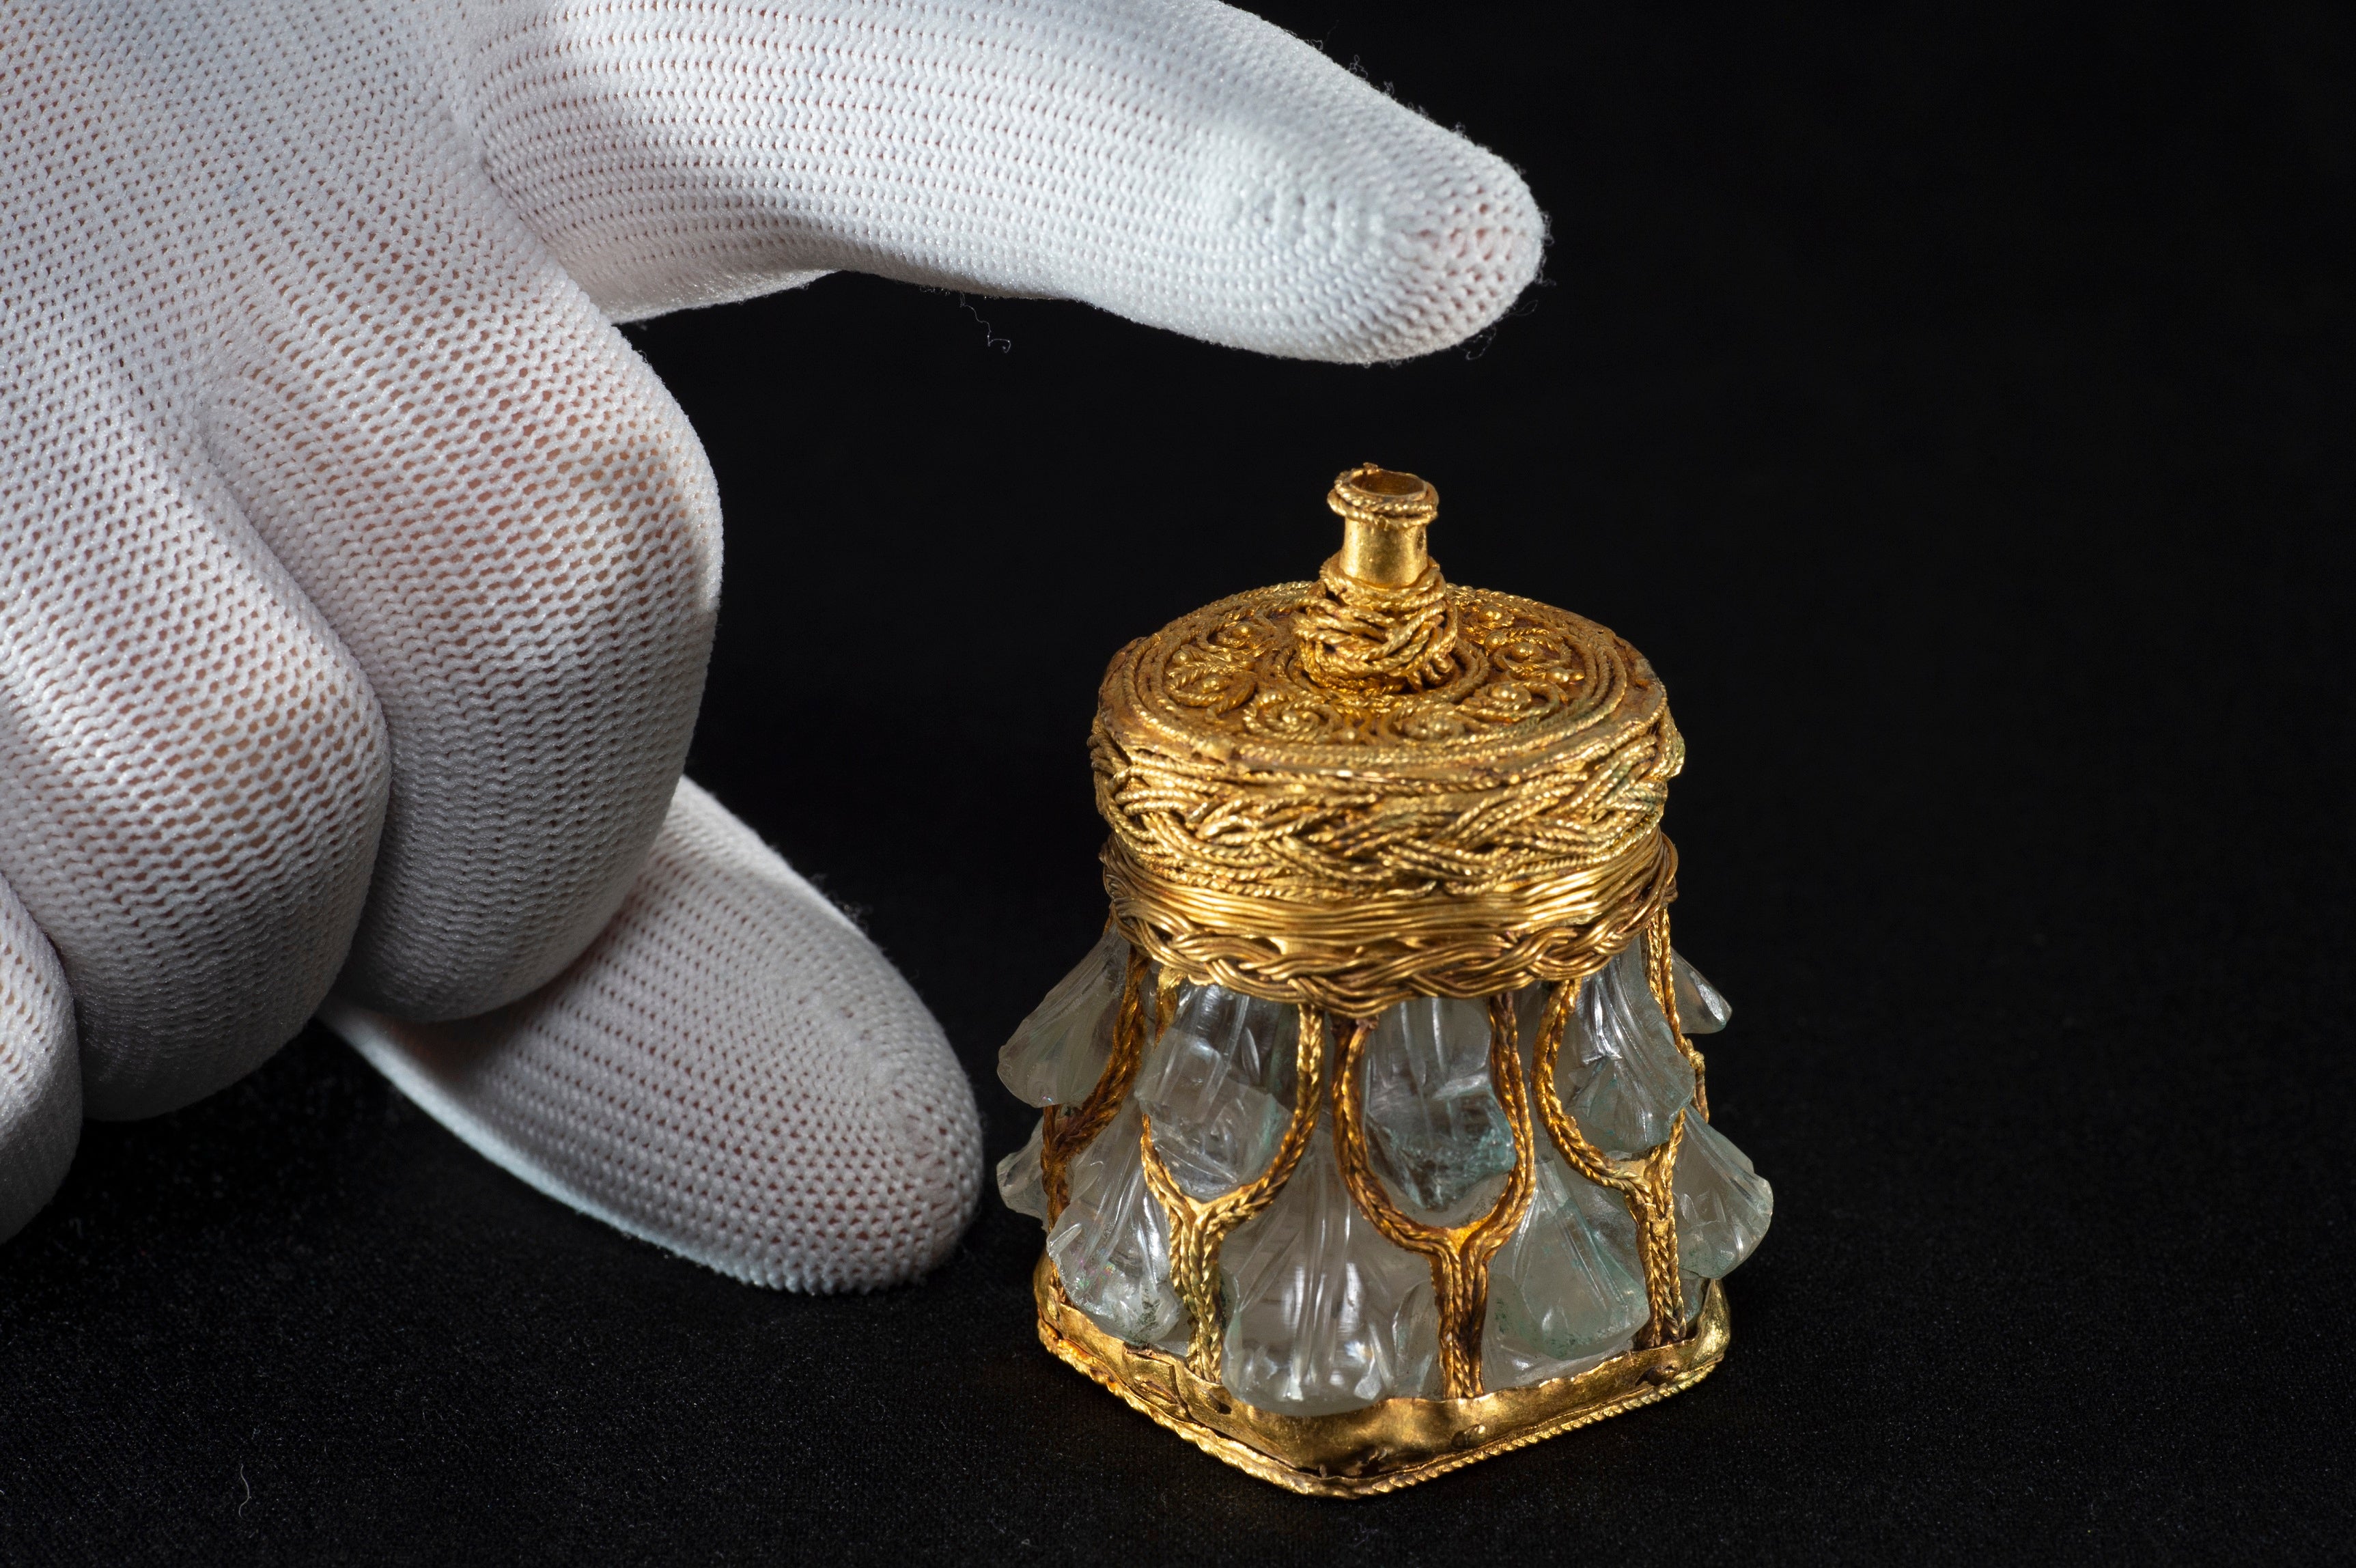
[1460, 264]
[733, 1072]
[1385, 247]
[932, 1103]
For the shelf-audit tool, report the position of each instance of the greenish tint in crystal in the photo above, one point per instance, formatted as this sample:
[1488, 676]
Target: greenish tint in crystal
[1218, 1088]
[1325, 1314]
[1021, 1182]
[1566, 1289]
[1111, 1243]
[1435, 1132]
[1625, 1076]
[1055, 1055]
[1723, 1205]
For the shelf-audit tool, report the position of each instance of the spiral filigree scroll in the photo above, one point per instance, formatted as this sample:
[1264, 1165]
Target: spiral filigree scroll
[1349, 849]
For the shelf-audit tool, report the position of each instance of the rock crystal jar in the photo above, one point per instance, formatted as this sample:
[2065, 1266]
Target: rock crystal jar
[1373, 1141]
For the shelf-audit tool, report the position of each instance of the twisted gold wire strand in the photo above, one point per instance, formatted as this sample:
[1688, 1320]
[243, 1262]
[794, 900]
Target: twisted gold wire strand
[1064, 1134]
[1356, 958]
[1388, 622]
[1199, 1228]
[1349, 827]
[1366, 639]
[1459, 1255]
[1644, 1185]
[1661, 971]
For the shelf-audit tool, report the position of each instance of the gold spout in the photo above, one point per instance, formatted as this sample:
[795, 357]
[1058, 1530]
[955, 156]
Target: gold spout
[1384, 515]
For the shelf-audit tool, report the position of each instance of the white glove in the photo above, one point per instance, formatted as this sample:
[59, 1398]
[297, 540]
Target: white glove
[356, 577]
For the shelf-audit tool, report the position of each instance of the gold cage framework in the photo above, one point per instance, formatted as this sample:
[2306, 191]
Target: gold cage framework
[1338, 796]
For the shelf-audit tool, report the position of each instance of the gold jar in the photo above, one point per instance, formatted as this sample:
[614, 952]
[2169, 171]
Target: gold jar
[1373, 1140]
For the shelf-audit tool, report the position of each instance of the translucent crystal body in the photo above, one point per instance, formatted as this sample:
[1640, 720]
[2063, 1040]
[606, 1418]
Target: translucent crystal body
[1701, 1008]
[1055, 1055]
[1622, 1077]
[1021, 1182]
[1325, 1314]
[1219, 1085]
[1111, 1244]
[1566, 1289]
[1435, 1132]
[1723, 1205]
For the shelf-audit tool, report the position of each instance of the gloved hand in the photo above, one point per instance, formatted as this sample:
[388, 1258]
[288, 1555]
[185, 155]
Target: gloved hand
[356, 577]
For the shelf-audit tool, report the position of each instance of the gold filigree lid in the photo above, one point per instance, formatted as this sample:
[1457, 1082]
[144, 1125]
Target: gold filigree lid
[1447, 783]
[1396, 673]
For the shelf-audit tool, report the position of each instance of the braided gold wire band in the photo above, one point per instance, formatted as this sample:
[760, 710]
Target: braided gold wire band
[1358, 958]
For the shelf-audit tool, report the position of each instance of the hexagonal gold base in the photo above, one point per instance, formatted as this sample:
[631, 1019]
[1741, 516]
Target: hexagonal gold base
[1388, 1445]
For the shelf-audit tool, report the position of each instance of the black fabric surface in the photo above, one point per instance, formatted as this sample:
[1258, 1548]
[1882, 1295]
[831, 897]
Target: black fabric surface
[1953, 401]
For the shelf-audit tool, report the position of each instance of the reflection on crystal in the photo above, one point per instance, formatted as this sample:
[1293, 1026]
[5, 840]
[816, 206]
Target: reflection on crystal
[1021, 1181]
[1723, 1205]
[1055, 1055]
[1626, 1079]
[1566, 1289]
[1435, 1131]
[1325, 1314]
[1700, 1006]
[1111, 1244]
[1216, 1086]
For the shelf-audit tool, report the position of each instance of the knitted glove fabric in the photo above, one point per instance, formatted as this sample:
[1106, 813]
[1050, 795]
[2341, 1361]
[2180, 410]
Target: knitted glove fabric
[357, 579]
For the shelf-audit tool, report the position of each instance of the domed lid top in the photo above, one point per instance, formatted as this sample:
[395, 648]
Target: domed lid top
[1381, 666]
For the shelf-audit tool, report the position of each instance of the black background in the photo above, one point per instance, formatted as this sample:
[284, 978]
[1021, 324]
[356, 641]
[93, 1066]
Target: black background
[1953, 401]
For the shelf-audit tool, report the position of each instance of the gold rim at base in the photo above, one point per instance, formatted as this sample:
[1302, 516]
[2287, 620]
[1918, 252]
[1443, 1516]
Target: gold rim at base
[1390, 1444]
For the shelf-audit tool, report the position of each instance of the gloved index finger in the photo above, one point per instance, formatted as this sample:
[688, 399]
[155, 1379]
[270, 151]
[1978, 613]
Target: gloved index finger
[1185, 165]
